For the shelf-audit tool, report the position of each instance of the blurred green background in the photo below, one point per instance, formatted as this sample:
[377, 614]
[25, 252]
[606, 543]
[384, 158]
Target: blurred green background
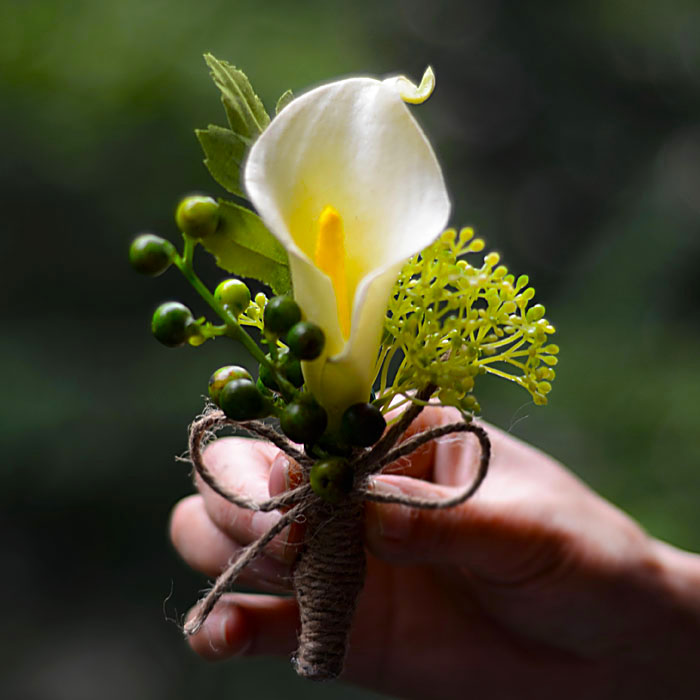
[570, 137]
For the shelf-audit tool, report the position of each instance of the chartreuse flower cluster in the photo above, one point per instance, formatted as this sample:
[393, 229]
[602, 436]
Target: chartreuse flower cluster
[451, 321]
[350, 236]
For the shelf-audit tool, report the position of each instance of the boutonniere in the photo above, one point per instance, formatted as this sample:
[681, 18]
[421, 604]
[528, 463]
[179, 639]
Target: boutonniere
[375, 306]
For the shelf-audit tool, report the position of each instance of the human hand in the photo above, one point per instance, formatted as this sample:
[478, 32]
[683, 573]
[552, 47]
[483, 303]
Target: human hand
[536, 587]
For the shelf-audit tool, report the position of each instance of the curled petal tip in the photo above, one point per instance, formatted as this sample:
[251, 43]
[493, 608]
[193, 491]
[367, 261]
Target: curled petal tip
[410, 92]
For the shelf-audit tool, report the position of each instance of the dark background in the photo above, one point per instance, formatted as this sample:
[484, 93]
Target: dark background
[570, 137]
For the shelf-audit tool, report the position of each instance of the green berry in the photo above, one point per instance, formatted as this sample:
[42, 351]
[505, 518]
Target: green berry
[151, 255]
[305, 340]
[172, 324]
[332, 479]
[266, 377]
[303, 420]
[289, 366]
[240, 400]
[281, 313]
[222, 376]
[197, 216]
[234, 294]
[292, 370]
[362, 424]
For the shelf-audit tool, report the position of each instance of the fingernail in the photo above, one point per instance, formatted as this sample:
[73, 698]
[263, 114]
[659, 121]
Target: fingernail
[393, 520]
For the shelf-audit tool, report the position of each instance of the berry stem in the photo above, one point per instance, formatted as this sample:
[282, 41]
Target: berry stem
[233, 328]
[187, 253]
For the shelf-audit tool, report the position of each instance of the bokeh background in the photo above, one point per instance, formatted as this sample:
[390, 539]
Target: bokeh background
[570, 137]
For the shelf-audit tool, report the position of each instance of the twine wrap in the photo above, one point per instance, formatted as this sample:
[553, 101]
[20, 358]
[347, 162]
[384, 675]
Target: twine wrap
[328, 579]
[330, 568]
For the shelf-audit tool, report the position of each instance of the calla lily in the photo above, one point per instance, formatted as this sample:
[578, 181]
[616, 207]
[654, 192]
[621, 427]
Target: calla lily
[348, 183]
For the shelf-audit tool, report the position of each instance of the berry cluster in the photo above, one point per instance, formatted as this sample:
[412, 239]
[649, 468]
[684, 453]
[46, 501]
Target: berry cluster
[288, 341]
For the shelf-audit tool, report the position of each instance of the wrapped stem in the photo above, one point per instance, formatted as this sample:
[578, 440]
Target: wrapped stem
[330, 569]
[328, 578]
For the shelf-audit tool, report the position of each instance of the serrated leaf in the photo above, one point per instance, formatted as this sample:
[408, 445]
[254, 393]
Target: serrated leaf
[224, 152]
[243, 246]
[284, 100]
[246, 113]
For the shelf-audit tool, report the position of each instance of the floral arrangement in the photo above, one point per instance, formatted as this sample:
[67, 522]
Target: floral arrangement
[375, 308]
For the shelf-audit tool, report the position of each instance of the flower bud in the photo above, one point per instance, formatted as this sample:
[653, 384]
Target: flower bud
[223, 376]
[362, 425]
[151, 255]
[234, 294]
[197, 216]
[332, 479]
[172, 324]
[305, 340]
[240, 400]
[281, 313]
[303, 420]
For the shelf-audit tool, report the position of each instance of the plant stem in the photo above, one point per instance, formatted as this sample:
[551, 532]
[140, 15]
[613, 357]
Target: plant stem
[234, 330]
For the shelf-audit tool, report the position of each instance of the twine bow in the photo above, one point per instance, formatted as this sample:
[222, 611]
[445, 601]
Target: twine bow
[330, 568]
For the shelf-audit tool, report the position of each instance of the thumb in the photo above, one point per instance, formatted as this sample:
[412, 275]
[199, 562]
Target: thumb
[494, 540]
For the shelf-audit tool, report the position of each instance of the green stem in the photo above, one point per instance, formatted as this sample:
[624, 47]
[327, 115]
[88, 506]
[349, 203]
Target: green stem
[498, 373]
[505, 341]
[391, 352]
[384, 400]
[234, 330]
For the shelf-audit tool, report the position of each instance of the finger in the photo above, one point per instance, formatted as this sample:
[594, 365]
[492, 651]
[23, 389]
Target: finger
[207, 549]
[242, 466]
[250, 625]
[421, 462]
[500, 541]
[286, 474]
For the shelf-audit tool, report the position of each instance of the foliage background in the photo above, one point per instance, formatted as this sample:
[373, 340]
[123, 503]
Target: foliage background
[570, 137]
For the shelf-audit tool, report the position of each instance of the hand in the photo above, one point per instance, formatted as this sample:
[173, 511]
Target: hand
[534, 588]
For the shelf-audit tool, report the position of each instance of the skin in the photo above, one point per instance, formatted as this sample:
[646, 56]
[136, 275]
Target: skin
[534, 588]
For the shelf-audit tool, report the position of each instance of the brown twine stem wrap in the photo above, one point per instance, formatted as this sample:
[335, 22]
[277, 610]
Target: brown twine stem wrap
[330, 569]
[328, 578]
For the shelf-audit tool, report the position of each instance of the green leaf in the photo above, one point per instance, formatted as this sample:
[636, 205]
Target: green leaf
[246, 113]
[224, 152]
[243, 246]
[284, 100]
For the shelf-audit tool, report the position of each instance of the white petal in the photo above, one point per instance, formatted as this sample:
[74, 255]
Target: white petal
[353, 145]
[347, 378]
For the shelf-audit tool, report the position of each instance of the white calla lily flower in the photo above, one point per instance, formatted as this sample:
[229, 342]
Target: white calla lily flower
[348, 183]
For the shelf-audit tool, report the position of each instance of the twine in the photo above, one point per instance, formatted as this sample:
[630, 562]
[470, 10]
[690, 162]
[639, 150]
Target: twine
[330, 568]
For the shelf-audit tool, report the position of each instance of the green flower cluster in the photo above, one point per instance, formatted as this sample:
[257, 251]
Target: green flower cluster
[452, 321]
[254, 313]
